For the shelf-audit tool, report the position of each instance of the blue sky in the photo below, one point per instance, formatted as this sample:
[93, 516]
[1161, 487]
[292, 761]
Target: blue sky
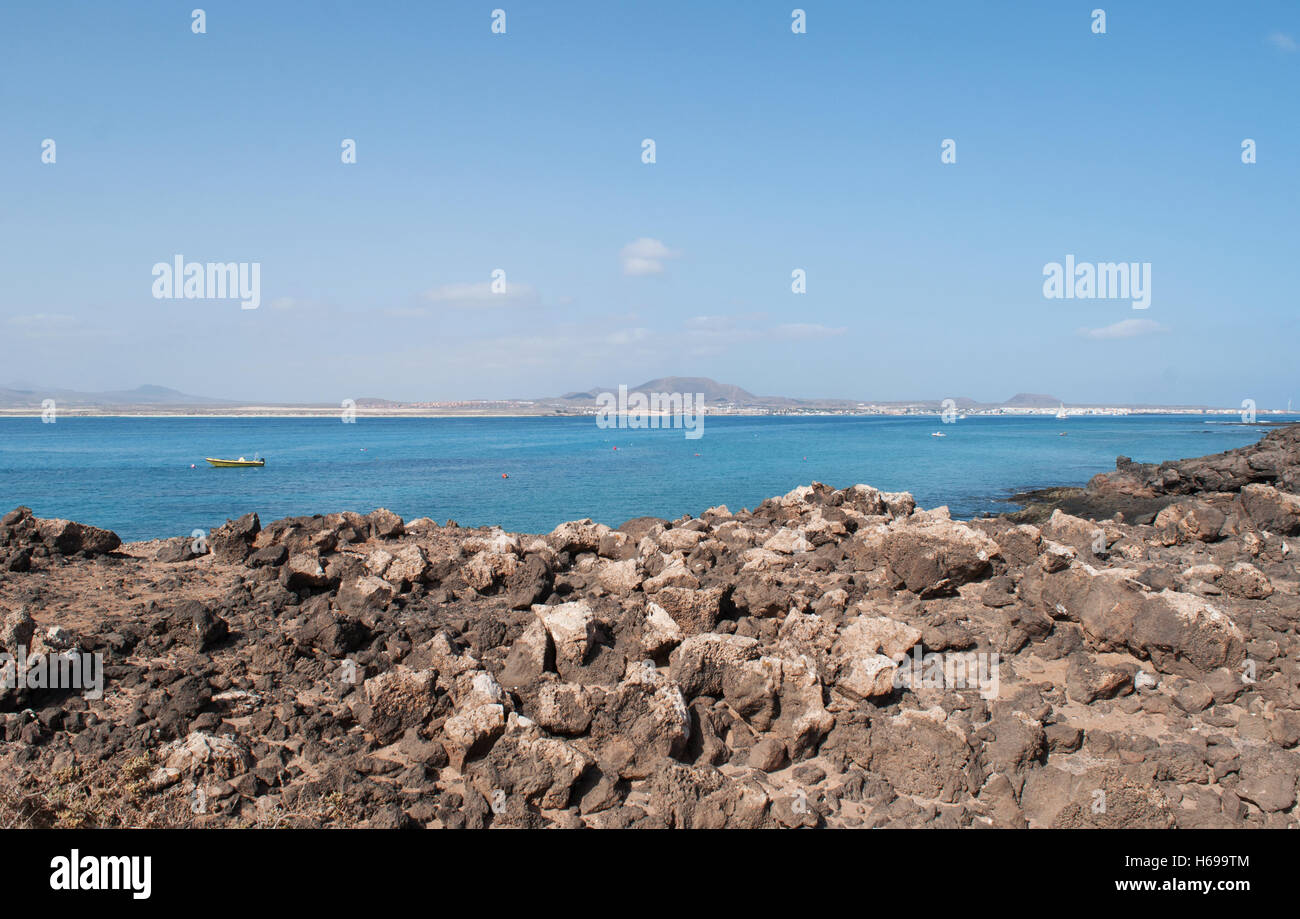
[775, 151]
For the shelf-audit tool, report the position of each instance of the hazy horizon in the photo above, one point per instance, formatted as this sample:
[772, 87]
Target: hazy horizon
[775, 151]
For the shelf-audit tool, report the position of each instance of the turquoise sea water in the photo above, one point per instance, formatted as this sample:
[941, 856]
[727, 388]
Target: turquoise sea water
[133, 475]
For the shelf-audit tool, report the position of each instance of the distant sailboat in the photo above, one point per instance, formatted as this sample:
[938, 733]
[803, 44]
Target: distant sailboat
[1060, 414]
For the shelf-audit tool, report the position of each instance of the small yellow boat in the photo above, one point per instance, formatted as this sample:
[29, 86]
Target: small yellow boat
[235, 464]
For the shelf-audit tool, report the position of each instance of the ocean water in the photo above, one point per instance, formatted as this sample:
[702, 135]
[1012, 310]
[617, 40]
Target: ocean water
[134, 475]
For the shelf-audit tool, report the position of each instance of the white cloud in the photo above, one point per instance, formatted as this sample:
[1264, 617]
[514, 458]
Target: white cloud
[645, 256]
[1282, 41]
[1126, 328]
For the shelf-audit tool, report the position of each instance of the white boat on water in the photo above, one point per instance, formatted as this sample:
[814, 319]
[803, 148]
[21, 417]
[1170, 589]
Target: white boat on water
[938, 434]
[1060, 413]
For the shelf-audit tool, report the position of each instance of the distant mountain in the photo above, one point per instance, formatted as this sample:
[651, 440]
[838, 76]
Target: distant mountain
[1031, 400]
[141, 395]
[713, 390]
[26, 397]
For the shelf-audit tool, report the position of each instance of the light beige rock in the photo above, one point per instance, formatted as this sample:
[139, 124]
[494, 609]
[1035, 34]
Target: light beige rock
[660, 633]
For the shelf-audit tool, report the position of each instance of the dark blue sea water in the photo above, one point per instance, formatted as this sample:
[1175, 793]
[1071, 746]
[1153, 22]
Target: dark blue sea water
[133, 475]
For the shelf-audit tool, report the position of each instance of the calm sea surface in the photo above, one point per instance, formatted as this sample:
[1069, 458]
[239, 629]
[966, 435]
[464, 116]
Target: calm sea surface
[133, 475]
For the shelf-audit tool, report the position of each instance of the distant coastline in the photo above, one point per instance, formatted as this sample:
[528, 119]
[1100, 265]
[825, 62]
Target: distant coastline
[718, 399]
[334, 412]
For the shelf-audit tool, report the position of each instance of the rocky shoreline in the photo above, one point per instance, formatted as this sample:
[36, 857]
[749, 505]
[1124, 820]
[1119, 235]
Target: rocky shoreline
[833, 658]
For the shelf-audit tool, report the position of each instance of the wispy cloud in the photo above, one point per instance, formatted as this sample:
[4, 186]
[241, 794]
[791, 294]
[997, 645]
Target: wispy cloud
[1126, 328]
[49, 326]
[805, 330]
[722, 323]
[1282, 41]
[645, 256]
[405, 312]
[300, 305]
[480, 294]
[41, 320]
[628, 336]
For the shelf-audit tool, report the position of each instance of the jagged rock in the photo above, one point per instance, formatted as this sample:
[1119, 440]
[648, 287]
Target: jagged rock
[802, 719]
[1245, 580]
[573, 630]
[919, 754]
[1056, 556]
[16, 631]
[530, 582]
[267, 556]
[471, 732]
[701, 661]
[69, 538]
[563, 708]
[233, 540]
[203, 628]
[398, 699]
[408, 566]
[931, 557]
[487, 569]
[759, 593]
[532, 655]
[768, 755]
[331, 633]
[868, 677]
[304, 570]
[1084, 536]
[1190, 521]
[214, 755]
[384, 524]
[1017, 743]
[675, 574]
[694, 611]
[1086, 682]
[620, 577]
[679, 539]
[737, 805]
[175, 551]
[524, 764]
[1103, 799]
[364, 594]
[787, 542]
[866, 636]
[660, 632]
[1175, 630]
[1272, 510]
[642, 722]
[577, 536]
